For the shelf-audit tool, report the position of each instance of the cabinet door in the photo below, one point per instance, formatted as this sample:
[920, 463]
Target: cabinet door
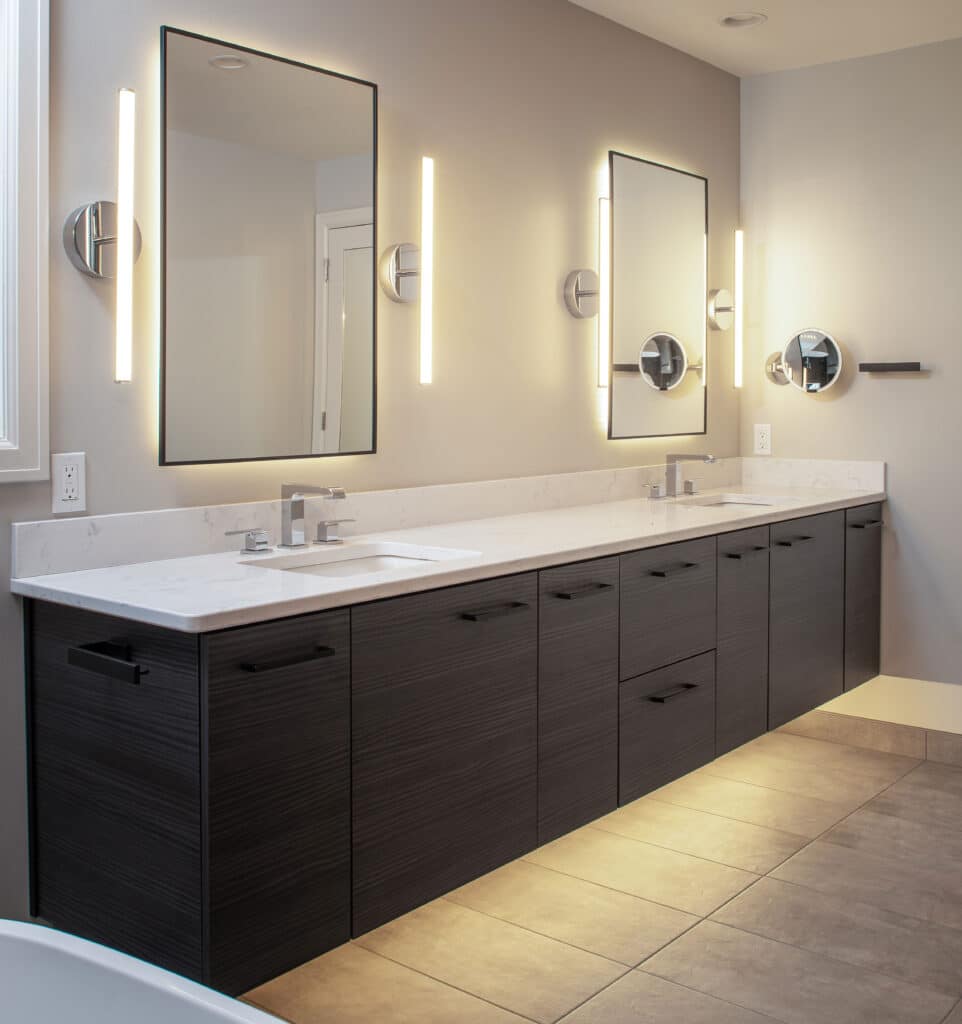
[116, 783]
[741, 679]
[577, 696]
[667, 725]
[807, 605]
[278, 796]
[863, 593]
[444, 755]
[667, 605]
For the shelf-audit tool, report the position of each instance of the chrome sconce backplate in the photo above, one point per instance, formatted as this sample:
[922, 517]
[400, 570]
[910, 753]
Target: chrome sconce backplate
[721, 309]
[400, 272]
[775, 369]
[582, 293]
[90, 239]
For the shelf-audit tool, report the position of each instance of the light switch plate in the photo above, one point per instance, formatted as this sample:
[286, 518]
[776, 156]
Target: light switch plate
[763, 439]
[68, 479]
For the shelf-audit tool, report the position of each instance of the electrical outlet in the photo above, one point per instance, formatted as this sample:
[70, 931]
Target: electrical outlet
[763, 439]
[68, 477]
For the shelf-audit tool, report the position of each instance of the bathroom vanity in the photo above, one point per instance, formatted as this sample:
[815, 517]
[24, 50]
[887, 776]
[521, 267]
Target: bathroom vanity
[230, 795]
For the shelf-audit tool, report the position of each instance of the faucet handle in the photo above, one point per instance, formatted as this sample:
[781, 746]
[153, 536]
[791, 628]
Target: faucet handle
[691, 487]
[327, 531]
[255, 539]
[339, 494]
[656, 490]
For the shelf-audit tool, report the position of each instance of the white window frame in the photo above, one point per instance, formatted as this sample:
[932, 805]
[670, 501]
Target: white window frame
[24, 239]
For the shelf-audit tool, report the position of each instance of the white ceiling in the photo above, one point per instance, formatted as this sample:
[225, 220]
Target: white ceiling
[798, 33]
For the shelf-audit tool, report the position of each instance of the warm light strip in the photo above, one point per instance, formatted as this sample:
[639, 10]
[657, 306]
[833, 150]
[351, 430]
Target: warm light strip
[704, 291]
[123, 370]
[739, 302]
[427, 270]
[604, 290]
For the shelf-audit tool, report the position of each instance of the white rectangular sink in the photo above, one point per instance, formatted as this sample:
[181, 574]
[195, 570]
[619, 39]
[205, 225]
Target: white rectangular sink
[708, 500]
[358, 559]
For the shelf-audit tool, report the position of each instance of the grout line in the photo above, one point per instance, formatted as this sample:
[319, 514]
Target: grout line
[721, 999]
[949, 1014]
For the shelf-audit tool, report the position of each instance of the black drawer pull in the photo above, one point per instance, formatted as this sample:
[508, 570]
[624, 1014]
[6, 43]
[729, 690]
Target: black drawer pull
[747, 554]
[869, 524]
[587, 591]
[318, 654]
[495, 613]
[791, 543]
[668, 573]
[675, 691]
[107, 658]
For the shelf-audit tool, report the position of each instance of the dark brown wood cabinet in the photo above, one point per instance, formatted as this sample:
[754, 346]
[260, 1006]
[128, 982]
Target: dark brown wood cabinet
[741, 668]
[806, 636]
[667, 605]
[863, 593]
[667, 725]
[444, 752]
[577, 696]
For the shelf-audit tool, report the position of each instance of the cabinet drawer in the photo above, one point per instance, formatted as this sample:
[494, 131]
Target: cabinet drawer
[115, 769]
[278, 785]
[741, 672]
[863, 593]
[806, 629]
[667, 725]
[667, 605]
[444, 725]
[577, 696]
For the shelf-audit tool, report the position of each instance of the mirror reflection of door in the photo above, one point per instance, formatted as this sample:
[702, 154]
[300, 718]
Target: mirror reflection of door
[344, 359]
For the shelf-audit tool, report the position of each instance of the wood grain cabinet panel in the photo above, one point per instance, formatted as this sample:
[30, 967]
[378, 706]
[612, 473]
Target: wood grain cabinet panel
[741, 679]
[278, 795]
[577, 696]
[667, 725]
[863, 593]
[806, 637]
[667, 605]
[444, 725]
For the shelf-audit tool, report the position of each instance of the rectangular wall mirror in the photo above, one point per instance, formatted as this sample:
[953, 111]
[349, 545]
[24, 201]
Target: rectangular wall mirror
[659, 235]
[269, 221]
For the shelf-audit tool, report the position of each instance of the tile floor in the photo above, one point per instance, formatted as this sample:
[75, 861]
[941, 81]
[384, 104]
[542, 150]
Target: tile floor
[793, 880]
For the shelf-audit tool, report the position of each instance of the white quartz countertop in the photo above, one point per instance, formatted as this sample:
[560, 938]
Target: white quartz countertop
[207, 592]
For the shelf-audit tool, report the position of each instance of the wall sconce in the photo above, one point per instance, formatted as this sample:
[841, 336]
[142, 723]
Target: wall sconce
[725, 311]
[406, 272]
[588, 294]
[102, 239]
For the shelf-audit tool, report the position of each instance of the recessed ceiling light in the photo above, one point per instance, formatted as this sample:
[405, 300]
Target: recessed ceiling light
[228, 62]
[746, 19]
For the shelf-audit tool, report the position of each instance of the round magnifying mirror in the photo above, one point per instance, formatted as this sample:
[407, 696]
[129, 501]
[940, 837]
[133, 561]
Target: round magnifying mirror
[663, 362]
[812, 360]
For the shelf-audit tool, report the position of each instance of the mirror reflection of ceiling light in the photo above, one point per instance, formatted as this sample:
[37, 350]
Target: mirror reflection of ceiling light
[228, 62]
[744, 19]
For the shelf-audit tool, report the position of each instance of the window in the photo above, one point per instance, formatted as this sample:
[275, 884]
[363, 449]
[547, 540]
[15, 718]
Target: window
[24, 73]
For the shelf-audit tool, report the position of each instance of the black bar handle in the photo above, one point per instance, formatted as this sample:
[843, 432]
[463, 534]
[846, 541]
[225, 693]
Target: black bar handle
[318, 654]
[791, 543]
[675, 691]
[109, 658]
[869, 524]
[667, 573]
[588, 590]
[747, 554]
[495, 613]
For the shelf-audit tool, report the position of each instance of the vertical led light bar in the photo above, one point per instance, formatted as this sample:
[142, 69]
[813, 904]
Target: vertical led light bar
[604, 290]
[739, 303]
[427, 270]
[704, 292]
[126, 106]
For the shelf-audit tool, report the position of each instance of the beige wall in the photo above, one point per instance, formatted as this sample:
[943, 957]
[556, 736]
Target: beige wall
[519, 103]
[852, 208]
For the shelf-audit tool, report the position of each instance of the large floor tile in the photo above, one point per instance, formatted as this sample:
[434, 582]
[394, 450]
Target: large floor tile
[349, 985]
[930, 794]
[651, 872]
[936, 847]
[591, 917]
[838, 785]
[955, 1017]
[860, 732]
[919, 952]
[737, 843]
[872, 763]
[640, 998]
[790, 984]
[907, 889]
[509, 966]
[789, 812]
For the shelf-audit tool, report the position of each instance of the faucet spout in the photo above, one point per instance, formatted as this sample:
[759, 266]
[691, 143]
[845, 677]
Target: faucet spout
[292, 510]
[673, 476]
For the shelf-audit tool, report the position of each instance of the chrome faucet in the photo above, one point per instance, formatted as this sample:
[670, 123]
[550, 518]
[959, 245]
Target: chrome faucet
[673, 477]
[292, 510]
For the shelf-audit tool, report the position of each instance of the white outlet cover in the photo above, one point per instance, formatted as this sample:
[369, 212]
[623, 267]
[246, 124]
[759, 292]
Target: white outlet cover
[68, 483]
[763, 439]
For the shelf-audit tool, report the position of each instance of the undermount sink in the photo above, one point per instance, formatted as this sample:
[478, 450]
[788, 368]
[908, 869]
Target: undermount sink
[731, 499]
[358, 559]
